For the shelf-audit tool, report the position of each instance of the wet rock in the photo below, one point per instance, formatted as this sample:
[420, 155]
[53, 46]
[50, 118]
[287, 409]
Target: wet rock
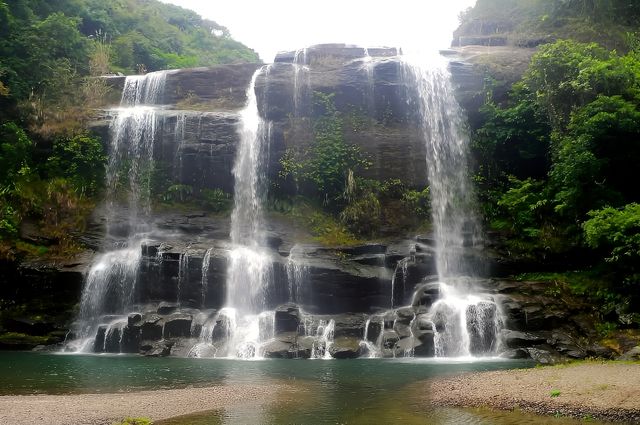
[166, 307]
[131, 337]
[98, 342]
[112, 339]
[349, 325]
[177, 325]
[157, 349]
[276, 349]
[222, 86]
[517, 353]
[426, 295]
[374, 329]
[516, 339]
[133, 319]
[151, 328]
[345, 348]
[544, 355]
[222, 329]
[481, 325]
[389, 339]
[402, 328]
[304, 346]
[287, 318]
[631, 355]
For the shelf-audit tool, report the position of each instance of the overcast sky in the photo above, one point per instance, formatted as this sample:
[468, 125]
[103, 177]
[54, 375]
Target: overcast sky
[272, 26]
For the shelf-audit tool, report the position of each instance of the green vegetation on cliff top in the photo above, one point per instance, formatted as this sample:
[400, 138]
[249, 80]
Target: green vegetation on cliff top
[51, 170]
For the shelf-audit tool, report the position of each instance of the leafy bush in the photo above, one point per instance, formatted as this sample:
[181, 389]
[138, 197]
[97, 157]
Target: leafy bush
[324, 168]
[15, 153]
[81, 160]
[616, 232]
[215, 200]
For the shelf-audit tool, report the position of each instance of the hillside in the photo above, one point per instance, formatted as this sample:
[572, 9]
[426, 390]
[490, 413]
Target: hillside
[529, 23]
[555, 137]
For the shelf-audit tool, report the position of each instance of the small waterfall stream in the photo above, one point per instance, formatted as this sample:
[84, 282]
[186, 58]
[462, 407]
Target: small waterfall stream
[110, 283]
[459, 326]
[249, 270]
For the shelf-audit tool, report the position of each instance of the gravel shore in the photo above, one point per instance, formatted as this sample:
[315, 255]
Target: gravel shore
[605, 391]
[105, 409]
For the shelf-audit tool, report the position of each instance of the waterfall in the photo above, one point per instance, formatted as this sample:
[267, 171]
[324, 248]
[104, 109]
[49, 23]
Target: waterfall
[296, 274]
[465, 323]
[444, 132]
[301, 80]
[109, 286]
[206, 263]
[369, 68]
[249, 270]
[323, 339]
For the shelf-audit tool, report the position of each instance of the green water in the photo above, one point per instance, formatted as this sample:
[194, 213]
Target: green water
[366, 391]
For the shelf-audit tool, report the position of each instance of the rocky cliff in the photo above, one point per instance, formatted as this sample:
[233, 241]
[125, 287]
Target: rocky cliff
[182, 275]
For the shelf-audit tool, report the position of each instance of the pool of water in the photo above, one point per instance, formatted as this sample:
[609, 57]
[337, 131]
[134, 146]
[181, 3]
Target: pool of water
[362, 391]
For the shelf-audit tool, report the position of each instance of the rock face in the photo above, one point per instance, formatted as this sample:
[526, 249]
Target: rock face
[342, 302]
[368, 90]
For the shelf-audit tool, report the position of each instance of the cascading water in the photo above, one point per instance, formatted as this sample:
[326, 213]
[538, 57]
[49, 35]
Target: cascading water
[300, 80]
[110, 283]
[249, 271]
[296, 274]
[458, 328]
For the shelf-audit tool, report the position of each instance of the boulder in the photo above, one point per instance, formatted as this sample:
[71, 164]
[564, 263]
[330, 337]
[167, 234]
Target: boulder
[374, 328]
[157, 349]
[516, 339]
[276, 349]
[166, 307]
[151, 328]
[178, 325]
[98, 342]
[112, 338]
[287, 318]
[133, 319]
[631, 355]
[345, 348]
[426, 294]
[481, 325]
[131, 337]
[514, 354]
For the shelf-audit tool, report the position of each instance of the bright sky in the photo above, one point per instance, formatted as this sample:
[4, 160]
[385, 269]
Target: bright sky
[276, 25]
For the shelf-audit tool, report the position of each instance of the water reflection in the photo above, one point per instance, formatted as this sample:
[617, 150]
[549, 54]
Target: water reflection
[367, 391]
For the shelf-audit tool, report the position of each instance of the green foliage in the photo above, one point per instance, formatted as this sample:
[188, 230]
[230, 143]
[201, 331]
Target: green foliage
[617, 233]
[596, 158]
[524, 206]
[178, 193]
[554, 393]
[45, 46]
[81, 160]
[15, 154]
[216, 200]
[135, 421]
[323, 168]
[566, 75]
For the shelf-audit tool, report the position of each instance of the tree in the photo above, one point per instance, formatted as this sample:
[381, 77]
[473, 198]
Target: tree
[596, 159]
[80, 159]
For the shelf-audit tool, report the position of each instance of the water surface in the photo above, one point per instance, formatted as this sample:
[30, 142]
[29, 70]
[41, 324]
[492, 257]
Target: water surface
[361, 391]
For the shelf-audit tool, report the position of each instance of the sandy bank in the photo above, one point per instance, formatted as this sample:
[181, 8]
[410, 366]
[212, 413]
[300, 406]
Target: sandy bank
[606, 391]
[93, 409]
